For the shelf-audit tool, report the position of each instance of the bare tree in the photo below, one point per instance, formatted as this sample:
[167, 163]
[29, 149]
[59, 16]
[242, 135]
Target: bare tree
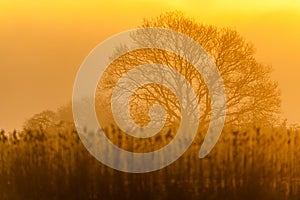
[252, 97]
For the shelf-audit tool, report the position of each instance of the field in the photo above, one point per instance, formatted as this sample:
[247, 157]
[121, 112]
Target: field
[249, 164]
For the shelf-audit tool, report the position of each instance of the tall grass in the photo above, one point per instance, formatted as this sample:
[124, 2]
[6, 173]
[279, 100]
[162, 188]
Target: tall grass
[245, 164]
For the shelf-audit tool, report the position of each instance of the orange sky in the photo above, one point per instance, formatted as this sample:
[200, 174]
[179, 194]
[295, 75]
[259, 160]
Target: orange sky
[42, 44]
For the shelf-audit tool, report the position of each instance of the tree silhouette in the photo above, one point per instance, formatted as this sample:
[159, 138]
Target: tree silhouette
[252, 97]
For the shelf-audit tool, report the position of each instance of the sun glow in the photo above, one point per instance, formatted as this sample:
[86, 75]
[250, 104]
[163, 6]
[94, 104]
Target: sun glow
[50, 39]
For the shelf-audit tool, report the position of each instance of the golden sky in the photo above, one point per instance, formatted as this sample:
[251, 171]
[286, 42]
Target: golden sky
[42, 44]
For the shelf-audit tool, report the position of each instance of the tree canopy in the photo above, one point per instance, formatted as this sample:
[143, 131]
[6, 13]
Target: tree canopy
[252, 96]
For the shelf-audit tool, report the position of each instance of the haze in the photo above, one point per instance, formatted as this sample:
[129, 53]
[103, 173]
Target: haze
[42, 44]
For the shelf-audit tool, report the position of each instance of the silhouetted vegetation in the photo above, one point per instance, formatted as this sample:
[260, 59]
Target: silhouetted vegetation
[51, 163]
[46, 160]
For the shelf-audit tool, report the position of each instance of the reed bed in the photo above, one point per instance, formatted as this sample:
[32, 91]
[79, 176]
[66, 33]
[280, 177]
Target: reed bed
[249, 163]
